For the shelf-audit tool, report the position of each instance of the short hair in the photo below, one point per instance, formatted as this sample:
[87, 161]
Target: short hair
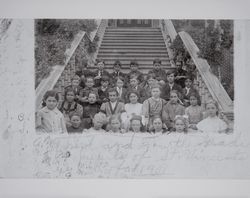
[184, 119]
[112, 90]
[75, 77]
[134, 62]
[100, 61]
[74, 114]
[114, 117]
[105, 78]
[169, 72]
[211, 101]
[89, 77]
[156, 61]
[101, 117]
[139, 118]
[50, 93]
[197, 96]
[117, 62]
[189, 77]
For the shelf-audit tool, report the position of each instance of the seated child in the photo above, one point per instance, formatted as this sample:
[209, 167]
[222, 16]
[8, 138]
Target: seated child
[194, 111]
[134, 71]
[90, 109]
[153, 106]
[83, 72]
[158, 72]
[49, 119]
[212, 124]
[114, 124]
[180, 124]
[134, 86]
[187, 90]
[69, 105]
[113, 106]
[99, 121]
[76, 124]
[122, 92]
[180, 74]
[89, 87]
[169, 86]
[131, 109]
[75, 85]
[136, 125]
[172, 109]
[102, 91]
[158, 126]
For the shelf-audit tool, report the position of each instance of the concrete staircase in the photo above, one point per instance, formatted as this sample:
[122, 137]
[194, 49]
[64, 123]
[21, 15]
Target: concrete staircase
[126, 44]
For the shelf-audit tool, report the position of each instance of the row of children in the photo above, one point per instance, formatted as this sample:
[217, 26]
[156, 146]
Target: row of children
[153, 112]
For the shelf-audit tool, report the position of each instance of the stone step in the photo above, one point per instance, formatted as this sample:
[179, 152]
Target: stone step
[133, 56]
[144, 70]
[135, 44]
[132, 37]
[129, 47]
[132, 41]
[166, 58]
[147, 63]
[134, 51]
[129, 29]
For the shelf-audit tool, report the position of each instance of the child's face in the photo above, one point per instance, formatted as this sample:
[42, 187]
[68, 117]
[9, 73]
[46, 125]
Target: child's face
[211, 109]
[100, 65]
[193, 100]
[157, 124]
[134, 67]
[136, 125]
[117, 68]
[70, 96]
[133, 98]
[51, 102]
[133, 82]
[179, 126]
[178, 65]
[173, 97]
[157, 66]
[112, 96]
[119, 83]
[151, 81]
[155, 92]
[75, 82]
[105, 83]
[115, 125]
[97, 124]
[75, 121]
[92, 98]
[170, 78]
[89, 83]
[188, 83]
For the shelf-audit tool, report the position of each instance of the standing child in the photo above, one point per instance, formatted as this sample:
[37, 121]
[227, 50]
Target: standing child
[70, 106]
[158, 125]
[187, 90]
[180, 124]
[131, 109]
[76, 124]
[212, 124]
[194, 111]
[122, 92]
[113, 106]
[170, 85]
[90, 108]
[115, 124]
[136, 125]
[89, 87]
[98, 121]
[100, 72]
[172, 109]
[153, 106]
[103, 90]
[49, 119]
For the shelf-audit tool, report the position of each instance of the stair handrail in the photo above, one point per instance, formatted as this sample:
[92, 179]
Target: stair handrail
[211, 82]
[57, 70]
[169, 34]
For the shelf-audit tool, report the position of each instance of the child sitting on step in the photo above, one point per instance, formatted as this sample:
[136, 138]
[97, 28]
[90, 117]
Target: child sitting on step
[89, 87]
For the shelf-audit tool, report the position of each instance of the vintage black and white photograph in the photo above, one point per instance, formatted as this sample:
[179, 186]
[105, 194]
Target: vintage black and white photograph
[123, 98]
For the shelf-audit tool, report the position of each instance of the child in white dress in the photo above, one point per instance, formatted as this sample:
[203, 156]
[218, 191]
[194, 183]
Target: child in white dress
[212, 124]
[98, 121]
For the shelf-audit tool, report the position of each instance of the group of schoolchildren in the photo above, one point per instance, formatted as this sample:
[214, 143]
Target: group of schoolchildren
[160, 102]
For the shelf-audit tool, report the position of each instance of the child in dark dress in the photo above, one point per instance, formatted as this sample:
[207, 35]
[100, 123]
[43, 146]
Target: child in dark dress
[76, 124]
[102, 90]
[90, 108]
